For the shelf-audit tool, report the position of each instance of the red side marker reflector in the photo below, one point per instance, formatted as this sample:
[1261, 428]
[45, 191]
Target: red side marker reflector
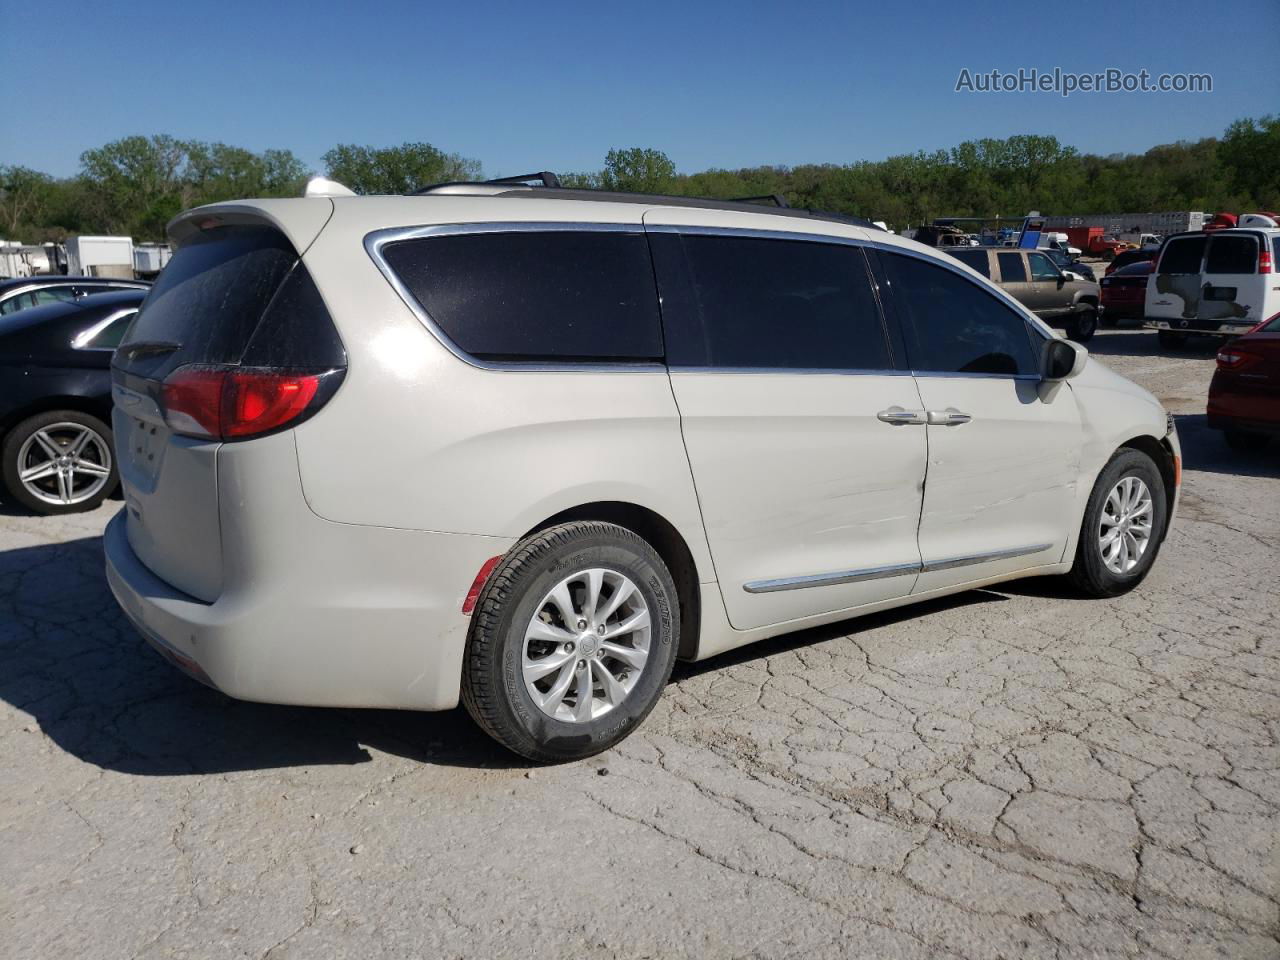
[1177, 471]
[477, 585]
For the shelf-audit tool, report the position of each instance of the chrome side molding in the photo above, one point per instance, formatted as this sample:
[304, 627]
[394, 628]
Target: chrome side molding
[892, 570]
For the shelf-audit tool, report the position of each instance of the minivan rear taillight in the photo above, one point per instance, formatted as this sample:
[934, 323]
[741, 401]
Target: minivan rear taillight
[236, 403]
[1264, 260]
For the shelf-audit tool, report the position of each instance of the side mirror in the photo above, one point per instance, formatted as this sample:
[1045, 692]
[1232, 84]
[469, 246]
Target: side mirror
[1062, 278]
[1062, 360]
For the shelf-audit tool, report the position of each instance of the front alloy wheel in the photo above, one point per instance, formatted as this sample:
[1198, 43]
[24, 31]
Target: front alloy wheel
[1124, 522]
[1124, 531]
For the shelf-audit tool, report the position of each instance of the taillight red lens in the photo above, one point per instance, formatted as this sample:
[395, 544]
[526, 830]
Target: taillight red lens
[256, 402]
[192, 401]
[1232, 358]
[226, 403]
[1264, 261]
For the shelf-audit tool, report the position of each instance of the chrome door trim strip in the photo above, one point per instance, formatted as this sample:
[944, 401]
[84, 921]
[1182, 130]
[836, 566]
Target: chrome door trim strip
[892, 570]
[830, 579]
[951, 562]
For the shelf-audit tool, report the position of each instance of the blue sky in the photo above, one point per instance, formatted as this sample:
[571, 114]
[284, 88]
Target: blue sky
[537, 85]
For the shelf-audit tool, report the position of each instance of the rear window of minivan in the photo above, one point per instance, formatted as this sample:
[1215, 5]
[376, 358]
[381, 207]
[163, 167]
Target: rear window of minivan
[539, 295]
[1232, 253]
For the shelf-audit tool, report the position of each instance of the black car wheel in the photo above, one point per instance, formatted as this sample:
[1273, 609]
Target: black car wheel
[1083, 325]
[1123, 525]
[59, 461]
[572, 642]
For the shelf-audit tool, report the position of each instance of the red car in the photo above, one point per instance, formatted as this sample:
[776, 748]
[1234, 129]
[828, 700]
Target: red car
[1244, 396]
[1141, 255]
[1124, 293]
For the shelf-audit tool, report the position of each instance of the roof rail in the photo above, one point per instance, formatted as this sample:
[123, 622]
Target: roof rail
[776, 199]
[546, 177]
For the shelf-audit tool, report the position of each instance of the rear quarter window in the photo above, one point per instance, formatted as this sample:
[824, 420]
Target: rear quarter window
[527, 296]
[1012, 268]
[977, 259]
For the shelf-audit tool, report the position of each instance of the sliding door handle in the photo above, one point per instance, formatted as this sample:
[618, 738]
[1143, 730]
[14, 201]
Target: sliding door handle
[950, 417]
[897, 415]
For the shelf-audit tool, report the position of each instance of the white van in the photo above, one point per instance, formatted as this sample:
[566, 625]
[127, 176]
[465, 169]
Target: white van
[1220, 284]
[524, 446]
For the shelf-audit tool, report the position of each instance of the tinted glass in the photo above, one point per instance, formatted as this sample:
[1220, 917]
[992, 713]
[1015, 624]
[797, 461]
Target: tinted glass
[956, 326]
[208, 300]
[109, 337]
[1135, 269]
[1012, 269]
[747, 302]
[1041, 267]
[1232, 254]
[53, 295]
[977, 259]
[550, 295]
[14, 304]
[1183, 255]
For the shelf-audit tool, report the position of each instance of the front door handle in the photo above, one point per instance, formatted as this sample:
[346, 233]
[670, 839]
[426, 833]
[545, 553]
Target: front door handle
[950, 417]
[897, 415]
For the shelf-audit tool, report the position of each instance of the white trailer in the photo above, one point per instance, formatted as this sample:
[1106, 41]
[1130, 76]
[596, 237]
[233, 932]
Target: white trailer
[149, 259]
[100, 256]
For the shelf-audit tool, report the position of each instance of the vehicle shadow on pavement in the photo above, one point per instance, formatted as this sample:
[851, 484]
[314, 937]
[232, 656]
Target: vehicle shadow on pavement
[70, 659]
[1205, 450]
[1143, 343]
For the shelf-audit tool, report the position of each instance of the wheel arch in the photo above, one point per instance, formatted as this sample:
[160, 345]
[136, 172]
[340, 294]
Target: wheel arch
[100, 408]
[663, 536]
[1162, 454]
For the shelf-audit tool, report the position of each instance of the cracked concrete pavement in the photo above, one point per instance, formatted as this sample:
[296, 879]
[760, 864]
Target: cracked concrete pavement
[1012, 773]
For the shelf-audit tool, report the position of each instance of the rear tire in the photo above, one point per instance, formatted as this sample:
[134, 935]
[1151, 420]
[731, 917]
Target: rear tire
[1097, 571]
[555, 685]
[1171, 340]
[59, 461]
[1083, 325]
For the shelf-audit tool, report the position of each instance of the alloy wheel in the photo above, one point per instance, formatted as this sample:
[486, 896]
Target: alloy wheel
[586, 646]
[64, 463]
[1125, 527]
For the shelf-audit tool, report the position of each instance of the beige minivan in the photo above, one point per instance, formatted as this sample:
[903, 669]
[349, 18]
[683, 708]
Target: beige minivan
[523, 447]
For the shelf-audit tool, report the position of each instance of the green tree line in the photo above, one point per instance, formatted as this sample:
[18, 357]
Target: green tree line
[135, 185]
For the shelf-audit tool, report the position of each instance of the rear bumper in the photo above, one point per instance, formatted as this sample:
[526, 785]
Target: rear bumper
[1205, 328]
[359, 617]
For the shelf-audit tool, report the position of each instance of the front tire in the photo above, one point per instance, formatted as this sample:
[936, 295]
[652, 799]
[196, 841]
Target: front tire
[59, 461]
[1124, 523]
[572, 642]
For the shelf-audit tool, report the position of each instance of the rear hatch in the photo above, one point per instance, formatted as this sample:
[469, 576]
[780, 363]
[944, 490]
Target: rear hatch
[232, 342]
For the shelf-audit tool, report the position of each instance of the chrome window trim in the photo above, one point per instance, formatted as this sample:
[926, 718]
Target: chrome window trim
[892, 570]
[375, 241]
[82, 339]
[800, 371]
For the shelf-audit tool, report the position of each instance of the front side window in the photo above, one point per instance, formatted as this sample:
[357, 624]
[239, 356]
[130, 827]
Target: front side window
[955, 325]
[549, 295]
[1183, 256]
[1041, 268]
[1012, 268]
[1232, 254]
[52, 295]
[749, 302]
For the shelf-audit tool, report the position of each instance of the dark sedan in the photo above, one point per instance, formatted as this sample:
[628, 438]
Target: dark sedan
[55, 400]
[24, 293]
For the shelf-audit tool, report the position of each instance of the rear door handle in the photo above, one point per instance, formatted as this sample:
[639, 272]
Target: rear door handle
[950, 417]
[897, 415]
